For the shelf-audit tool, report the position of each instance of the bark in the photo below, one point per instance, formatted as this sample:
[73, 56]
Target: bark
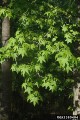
[6, 73]
[0, 76]
[76, 88]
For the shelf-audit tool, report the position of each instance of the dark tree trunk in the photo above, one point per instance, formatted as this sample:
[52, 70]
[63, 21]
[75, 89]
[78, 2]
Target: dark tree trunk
[6, 73]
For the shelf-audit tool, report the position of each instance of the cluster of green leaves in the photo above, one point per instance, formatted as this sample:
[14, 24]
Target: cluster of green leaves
[41, 47]
[5, 12]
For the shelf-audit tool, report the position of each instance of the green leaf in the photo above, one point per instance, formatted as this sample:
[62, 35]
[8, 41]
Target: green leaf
[41, 59]
[37, 67]
[34, 97]
[65, 28]
[28, 90]
[24, 86]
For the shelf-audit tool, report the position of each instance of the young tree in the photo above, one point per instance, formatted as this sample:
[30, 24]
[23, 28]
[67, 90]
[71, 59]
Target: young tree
[42, 48]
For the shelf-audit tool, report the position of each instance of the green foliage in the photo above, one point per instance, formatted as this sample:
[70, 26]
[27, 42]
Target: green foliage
[5, 12]
[41, 48]
[50, 82]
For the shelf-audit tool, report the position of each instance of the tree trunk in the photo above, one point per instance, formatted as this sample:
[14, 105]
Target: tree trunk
[6, 73]
[76, 88]
[0, 73]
